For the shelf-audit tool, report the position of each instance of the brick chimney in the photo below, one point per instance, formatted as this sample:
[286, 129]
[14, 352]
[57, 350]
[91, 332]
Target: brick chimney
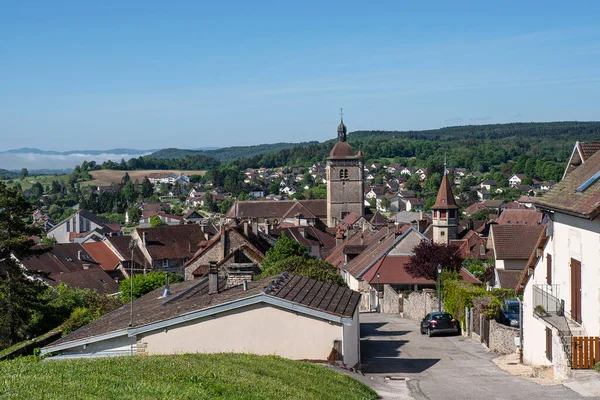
[213, 277]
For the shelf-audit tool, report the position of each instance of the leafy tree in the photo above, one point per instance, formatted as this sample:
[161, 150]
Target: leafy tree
[126, 178]
[428, 204]
[385, 203]
[309, 267]
[56, 188]
[482, 215]
[284, 248]
[134, 214]
[477, 267]
[18, 291]
[224, 205]
[37, 190]
[373, 203]
[428, 255]
[155, 221]
[413, 183]
[145, 283]
[147, 188]
[129, 192]
[24, 173]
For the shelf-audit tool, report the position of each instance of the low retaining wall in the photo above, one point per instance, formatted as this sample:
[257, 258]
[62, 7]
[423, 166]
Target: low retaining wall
[391, 303]
[419, 304]
[502, 338]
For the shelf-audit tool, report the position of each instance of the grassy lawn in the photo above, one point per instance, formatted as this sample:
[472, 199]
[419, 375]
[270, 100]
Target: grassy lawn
[188, 376]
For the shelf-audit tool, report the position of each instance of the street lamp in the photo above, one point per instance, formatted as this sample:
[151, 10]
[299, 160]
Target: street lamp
[439, 285]
[378, 303]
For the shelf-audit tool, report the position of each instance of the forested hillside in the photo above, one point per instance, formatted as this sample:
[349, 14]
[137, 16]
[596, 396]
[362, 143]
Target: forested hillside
[228, 153]
[538, 149]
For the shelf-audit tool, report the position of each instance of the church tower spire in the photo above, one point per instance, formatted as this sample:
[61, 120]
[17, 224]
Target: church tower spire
[445, 213]
[341, 130]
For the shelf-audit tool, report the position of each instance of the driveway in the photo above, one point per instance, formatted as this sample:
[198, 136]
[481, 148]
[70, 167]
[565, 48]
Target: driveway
[440, 367]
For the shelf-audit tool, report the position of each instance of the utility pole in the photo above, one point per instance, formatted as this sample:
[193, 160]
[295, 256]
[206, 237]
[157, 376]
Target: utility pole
[439, 285]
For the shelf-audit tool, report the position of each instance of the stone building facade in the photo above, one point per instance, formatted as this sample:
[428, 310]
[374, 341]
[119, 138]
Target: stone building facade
[345, 174]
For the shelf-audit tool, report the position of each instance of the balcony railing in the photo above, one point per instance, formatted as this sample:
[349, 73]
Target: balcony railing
[549, 307]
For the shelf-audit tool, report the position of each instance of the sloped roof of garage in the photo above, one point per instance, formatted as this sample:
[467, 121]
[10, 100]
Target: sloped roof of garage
[191, 298]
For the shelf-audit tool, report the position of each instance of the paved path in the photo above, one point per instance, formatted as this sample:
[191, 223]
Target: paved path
[444, 367]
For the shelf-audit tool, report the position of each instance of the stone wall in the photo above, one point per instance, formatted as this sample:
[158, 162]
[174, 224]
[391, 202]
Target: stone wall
[391, 303]
[502, 338]
[419, 304]
[479, 306]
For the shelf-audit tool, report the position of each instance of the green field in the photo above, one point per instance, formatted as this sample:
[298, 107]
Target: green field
[189, 376]
[45, 180]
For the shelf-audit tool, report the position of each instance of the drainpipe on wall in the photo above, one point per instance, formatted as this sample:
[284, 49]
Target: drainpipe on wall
[520, 330]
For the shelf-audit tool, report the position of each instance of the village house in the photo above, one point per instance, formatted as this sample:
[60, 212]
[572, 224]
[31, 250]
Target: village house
[516, 179]
[165, 219]
[294, 317]
[560, 283]
[168, 247]
[73, 265]
[233, 245]
[512, 246]
[81, 227]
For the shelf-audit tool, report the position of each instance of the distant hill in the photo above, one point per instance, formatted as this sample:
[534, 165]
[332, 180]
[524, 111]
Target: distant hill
[6, 174]
[29, 150]
[228, 153]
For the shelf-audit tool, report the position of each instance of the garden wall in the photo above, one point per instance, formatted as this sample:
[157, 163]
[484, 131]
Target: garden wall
[502, 338]
[419, 304]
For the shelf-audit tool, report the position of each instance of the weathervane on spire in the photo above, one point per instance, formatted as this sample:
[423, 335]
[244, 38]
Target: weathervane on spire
[342, 114]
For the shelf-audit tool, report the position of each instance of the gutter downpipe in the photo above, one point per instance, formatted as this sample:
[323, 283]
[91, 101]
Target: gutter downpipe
[520, 330]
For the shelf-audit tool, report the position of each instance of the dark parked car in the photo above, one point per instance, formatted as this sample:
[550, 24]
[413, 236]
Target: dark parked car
[439, 322]
[509, 313]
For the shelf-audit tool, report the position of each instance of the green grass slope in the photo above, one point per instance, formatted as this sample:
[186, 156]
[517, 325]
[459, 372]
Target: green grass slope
[189, 376]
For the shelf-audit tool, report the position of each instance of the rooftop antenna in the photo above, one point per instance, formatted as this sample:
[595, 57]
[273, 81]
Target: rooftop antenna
[131, 247]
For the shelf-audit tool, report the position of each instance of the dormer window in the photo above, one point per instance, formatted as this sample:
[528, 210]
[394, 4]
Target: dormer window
[69, 259]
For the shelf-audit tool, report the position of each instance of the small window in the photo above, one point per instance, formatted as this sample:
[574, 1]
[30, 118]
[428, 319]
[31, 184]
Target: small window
[345, 174]
[102, 281]
[165, 263]
[69, 259]
[68, 226]
[443, 233]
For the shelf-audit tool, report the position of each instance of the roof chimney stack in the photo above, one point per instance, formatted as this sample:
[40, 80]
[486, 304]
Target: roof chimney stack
[167, 290]
[145, 238]
[213, 278]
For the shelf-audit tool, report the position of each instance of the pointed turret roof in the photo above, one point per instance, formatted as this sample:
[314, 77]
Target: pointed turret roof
[445, 198]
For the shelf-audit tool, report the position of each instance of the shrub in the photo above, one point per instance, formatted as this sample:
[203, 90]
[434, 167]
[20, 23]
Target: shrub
[79, 317]
[304, 266]
[145, 283]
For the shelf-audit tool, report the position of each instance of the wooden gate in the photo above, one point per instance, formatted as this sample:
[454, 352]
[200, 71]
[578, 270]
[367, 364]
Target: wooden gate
[586, 351]
[485, 331]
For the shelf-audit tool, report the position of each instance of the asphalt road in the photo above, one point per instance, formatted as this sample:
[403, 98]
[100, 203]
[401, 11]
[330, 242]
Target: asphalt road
[441, 367]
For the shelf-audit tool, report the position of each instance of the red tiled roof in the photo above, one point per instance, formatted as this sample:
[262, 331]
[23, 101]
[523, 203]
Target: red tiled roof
[588, 149]
[172, 242]
[107, 259]
[564, 196]
[515, 242]
[392, 270]
[341, 150]
[520, 217]
[274, 209]
[445, 198]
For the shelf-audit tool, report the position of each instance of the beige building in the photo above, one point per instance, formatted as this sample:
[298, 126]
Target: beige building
[290, 316]
[345, 187]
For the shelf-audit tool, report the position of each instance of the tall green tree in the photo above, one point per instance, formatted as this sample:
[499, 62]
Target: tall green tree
[284, 248]
[18, 292]
[147, 188]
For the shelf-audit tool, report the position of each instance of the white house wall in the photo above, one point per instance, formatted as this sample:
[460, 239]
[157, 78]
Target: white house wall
[257, 329]
[578, 239]
[351, 343]
[121, 345]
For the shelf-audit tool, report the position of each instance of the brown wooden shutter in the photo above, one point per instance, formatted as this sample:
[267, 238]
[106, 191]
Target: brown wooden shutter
[549, 344]
[548, 269]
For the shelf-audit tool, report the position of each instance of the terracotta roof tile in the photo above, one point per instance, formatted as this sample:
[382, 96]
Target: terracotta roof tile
[102, 254]
[520, 217]
[515, 242]
[564, 196]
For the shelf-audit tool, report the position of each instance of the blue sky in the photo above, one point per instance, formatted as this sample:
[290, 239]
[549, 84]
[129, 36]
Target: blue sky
[149, 74]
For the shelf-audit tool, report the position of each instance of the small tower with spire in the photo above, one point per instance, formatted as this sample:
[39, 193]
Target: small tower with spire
[445, 213]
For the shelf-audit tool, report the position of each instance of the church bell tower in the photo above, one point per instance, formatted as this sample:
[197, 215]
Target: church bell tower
[345, 187]
[445, 214]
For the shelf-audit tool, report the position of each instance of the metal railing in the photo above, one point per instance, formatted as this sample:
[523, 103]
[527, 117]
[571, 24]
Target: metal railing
[549, 307]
